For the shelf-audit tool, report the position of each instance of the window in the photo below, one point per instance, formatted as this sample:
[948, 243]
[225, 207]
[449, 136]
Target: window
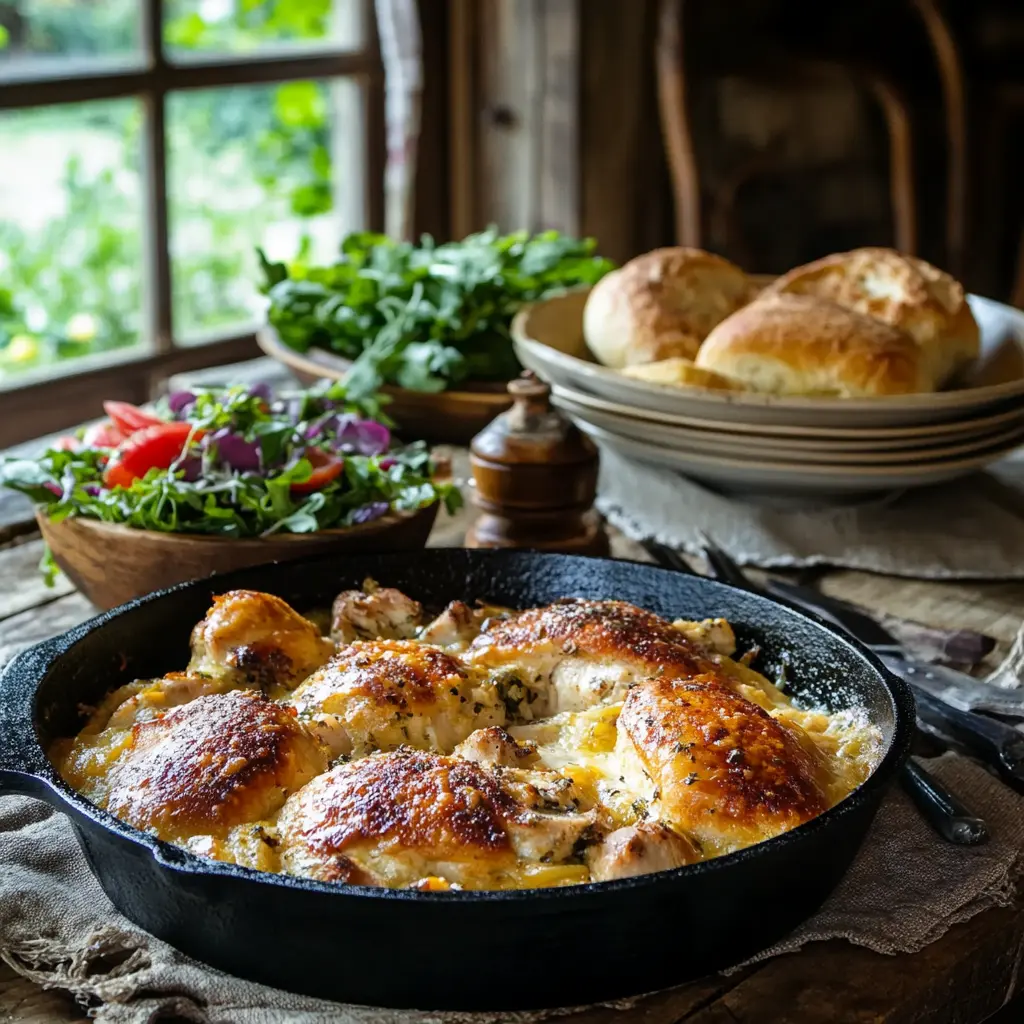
[147, 148]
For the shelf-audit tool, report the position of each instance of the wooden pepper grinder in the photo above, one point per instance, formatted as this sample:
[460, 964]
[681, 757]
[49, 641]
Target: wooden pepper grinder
[536, 478]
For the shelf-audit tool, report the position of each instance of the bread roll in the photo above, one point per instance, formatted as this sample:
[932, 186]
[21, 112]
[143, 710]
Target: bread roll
[800, 345]
[679, 372]
[660, 305]
[900, 290]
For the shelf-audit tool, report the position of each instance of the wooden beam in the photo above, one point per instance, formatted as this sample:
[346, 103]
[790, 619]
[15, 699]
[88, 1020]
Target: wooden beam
[559, 192]
[463, 107]
[525, 116]
[44, 82]
[625, 197]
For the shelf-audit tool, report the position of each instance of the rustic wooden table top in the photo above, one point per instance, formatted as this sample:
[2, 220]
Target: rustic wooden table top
[966, 977]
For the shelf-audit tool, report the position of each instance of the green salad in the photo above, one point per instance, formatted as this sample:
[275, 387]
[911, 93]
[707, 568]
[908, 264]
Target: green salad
[236, 463]
[424, 316]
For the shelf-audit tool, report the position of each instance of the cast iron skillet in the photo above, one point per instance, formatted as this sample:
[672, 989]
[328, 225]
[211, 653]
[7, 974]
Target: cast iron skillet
[461, 950]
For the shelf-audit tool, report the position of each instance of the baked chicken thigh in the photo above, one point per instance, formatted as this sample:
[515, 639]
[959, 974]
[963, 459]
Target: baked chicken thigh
[483, 748]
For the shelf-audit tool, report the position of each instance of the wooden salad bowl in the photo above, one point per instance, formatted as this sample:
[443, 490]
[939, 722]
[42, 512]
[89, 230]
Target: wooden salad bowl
[443, 417]
[112, 564]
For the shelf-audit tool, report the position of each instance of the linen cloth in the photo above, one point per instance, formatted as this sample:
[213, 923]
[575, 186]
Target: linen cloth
[57, 927]
[967, 529]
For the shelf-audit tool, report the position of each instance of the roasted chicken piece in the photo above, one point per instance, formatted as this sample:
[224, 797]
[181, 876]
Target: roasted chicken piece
[728, 774]
[576, 653]
[399, 818]
[639, 850]
[374, 613]
[84, 760]
[219, 761]
[455, 627]
[494, 746]
[714, 635]
[149, 699]
[383, 694]
[257, 639]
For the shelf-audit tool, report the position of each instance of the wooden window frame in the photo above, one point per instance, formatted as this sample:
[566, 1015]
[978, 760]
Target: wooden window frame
[43, 405]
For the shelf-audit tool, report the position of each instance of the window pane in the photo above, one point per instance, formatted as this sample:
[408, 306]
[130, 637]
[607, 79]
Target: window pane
[239, 26]
[70, 233]
[277, 167]
[37, 31]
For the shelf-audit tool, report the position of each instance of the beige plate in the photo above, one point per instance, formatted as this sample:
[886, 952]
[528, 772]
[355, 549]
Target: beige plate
[549, 340]
[708, 442]
[763, 476]
[853, 438]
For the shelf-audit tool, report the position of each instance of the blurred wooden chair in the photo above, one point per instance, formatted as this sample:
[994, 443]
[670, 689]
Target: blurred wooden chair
[881, 84]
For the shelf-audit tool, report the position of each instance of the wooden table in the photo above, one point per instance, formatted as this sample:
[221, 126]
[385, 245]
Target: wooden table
[965, 977]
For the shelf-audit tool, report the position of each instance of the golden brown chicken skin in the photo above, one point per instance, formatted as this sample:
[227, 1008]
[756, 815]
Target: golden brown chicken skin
[488, 748]
[219, 761]
[639, 850]
[257, 639]
[728, 773]
[397, 818]
[383, 694]
[574, 654]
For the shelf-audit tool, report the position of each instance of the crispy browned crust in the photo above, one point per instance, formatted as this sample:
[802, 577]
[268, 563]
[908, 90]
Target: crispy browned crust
[445, 808]
[260, 638]
[724, 767]
[799, 344]
[900, 290]
[218, 761]
[661, 304]
[596, 628]
[403, 674]
[437, 792]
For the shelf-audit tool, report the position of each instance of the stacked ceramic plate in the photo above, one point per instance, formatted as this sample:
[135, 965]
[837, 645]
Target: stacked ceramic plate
[746, 442]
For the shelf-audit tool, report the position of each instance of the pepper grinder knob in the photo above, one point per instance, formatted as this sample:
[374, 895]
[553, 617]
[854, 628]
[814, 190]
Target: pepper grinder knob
[536, 478]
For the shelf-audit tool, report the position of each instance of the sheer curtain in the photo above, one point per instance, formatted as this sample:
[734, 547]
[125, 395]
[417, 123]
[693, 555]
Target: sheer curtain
[398, 26]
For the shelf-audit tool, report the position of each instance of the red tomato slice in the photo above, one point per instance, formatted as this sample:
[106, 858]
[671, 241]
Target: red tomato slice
[128, 418]
[102, 435]
[326, 467]
[153, 448]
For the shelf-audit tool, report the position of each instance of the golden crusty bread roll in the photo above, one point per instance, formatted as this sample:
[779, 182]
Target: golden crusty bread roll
[660, 305]
[679, 372]
[900, 290]
[801, 345]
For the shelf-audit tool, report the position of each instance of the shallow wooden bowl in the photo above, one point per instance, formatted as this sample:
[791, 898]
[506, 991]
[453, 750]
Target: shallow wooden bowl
[444, 417]
[112, 564]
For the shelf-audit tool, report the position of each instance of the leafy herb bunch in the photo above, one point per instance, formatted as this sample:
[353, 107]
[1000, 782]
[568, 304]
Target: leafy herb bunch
[424, 316]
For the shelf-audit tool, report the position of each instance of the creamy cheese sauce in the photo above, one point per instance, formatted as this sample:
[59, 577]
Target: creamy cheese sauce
[605, 779]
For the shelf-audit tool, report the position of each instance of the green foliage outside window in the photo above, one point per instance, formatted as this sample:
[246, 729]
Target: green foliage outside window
[73, 284]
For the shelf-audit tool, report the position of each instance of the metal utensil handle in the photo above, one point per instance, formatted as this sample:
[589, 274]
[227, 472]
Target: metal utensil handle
[941, 809]
[667, 557]
[723, 568]
[996, 743]
[853, 620]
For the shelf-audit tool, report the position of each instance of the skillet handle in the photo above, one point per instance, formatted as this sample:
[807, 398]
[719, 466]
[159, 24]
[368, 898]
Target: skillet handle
[23, 765]
[941, 809]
